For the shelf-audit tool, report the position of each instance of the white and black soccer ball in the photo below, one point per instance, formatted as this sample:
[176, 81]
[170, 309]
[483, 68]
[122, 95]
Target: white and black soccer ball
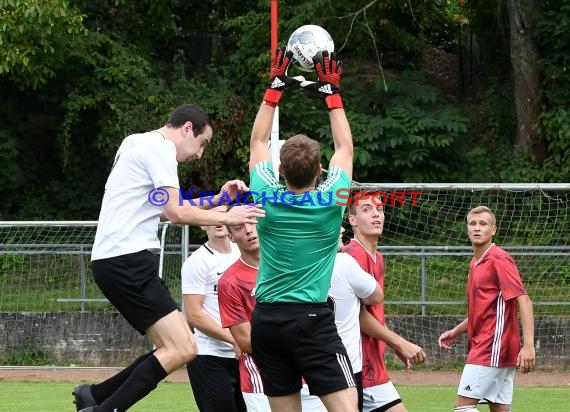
[306, 42]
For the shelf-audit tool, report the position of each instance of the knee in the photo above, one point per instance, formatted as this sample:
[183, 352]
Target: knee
[191, 351]
[187, 351]
[182, 353]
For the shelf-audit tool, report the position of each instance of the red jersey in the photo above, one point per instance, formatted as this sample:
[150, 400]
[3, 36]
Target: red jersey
[492, 327]
[236, 298]
[373, 368]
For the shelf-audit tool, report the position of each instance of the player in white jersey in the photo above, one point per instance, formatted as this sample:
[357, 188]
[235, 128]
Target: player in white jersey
[214, 374]
[142, 186]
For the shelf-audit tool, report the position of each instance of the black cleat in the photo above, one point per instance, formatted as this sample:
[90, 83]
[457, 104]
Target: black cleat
[83, 399]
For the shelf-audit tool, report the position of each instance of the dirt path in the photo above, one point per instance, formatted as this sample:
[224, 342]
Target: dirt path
[432, 378]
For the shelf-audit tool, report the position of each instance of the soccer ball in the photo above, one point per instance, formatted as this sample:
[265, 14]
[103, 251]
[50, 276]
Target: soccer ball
[306, 42]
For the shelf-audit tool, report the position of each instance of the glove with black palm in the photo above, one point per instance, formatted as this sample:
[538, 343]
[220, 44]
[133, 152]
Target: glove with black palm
[279, 80]
[329, 70]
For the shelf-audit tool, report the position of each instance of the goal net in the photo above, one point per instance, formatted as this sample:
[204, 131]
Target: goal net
[51, 311]
[427, 254]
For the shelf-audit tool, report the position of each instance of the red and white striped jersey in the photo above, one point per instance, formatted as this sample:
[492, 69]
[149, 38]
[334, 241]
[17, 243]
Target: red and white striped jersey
[236, 297]
[492, 327]
[373, 368]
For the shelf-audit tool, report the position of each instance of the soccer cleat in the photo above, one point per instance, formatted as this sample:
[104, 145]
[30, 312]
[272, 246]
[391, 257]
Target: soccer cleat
[89, 409]
[83, 399]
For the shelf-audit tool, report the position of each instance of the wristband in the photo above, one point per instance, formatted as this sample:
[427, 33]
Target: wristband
[334, 101]
[272, 97]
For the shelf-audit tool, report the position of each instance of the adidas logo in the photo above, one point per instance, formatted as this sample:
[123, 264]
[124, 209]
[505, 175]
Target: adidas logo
[467, 388]
[326, 89]
[277, 82]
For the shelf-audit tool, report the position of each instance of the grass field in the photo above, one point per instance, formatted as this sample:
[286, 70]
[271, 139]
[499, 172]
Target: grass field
[177, 397]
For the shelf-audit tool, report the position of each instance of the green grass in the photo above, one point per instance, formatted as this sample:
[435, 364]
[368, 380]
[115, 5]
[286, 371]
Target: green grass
[56, 397]
[177, 397]
[438, 399]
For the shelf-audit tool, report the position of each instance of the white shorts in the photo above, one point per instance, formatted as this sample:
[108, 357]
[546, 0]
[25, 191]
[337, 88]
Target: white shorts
[380, 395]
[310, 403]
[256, 402]
[486, 382]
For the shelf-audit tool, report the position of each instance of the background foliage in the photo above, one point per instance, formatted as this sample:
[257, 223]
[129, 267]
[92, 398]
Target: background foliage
[428, 89]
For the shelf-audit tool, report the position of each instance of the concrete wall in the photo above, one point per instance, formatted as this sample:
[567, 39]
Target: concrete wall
[552, 339]
[106, 339]
[83, 338]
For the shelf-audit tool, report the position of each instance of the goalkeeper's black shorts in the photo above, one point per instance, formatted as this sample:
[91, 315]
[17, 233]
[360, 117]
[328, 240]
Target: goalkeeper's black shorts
[291, 341]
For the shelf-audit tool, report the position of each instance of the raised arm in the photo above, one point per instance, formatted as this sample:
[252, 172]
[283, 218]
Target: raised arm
[342, 136]
[329, 71]
[258, 148]
[278, 81]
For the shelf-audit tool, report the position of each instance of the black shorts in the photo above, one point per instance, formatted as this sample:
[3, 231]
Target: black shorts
[215, 384]
[360, 389]
[294, 340]
[132, 285]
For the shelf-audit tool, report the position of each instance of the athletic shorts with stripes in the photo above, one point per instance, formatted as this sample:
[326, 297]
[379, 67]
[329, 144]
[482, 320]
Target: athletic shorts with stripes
[294, 340]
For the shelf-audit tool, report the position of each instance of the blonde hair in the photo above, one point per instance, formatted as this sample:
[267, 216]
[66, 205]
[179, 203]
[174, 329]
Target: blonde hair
[481, 209]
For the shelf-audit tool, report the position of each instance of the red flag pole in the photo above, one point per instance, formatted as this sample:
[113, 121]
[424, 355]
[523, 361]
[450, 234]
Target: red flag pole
[274, 25]
[274, 142]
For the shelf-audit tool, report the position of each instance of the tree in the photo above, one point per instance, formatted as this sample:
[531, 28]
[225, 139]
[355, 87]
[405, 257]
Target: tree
[527, 78]
[35, 38]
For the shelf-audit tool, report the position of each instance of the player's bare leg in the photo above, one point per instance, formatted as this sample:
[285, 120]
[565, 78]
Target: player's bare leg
[397, 408]
[345, 400]
[175, 346]
[174, 342]
[499, 407]
[288, 403]
[464, 404]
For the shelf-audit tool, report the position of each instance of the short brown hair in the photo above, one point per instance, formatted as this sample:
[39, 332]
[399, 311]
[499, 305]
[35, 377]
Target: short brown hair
[190, 113]
[482, 209]
[300, 157]
[356, 197]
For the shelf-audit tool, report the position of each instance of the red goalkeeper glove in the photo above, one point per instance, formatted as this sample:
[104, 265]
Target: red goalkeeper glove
[278, 77]
[329, 70]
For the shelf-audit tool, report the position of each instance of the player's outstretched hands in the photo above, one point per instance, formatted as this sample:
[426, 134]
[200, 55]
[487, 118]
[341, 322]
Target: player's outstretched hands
[239, 215]
[278, 79]
[329, 71]
[446, 339]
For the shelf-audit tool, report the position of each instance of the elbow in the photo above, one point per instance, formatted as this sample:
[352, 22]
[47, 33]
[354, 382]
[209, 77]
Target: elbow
[173, 215]
[190, 320]
[376, 297]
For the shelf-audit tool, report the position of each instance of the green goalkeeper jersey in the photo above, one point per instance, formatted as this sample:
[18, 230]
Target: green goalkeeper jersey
[298, 237]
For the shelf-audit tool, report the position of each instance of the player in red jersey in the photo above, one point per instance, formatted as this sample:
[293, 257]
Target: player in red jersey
[366, 217]
[494, 289]
[236, 298]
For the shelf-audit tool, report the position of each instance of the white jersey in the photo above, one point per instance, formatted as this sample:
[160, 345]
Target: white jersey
[128, 222]
[349, 284]
[200, 275]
